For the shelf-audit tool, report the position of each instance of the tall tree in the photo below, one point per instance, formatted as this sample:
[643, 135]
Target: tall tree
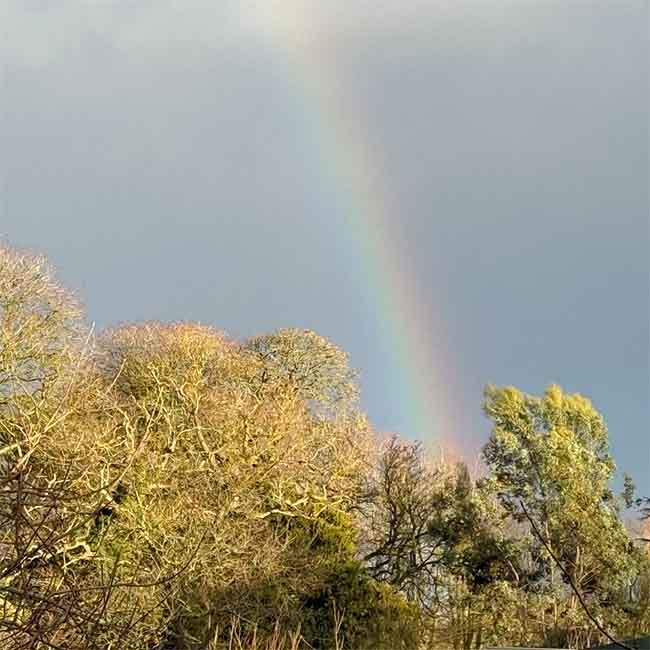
[550, 462]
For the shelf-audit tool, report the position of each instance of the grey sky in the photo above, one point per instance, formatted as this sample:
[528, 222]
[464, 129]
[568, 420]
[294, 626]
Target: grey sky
[154, 150]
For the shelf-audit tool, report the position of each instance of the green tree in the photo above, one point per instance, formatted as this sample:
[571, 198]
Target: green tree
[550, 465]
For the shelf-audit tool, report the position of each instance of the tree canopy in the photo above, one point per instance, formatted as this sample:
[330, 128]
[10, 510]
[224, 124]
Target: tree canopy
[165, 487]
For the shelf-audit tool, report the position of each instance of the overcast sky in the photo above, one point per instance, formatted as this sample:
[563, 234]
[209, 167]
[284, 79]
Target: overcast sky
[157, 152]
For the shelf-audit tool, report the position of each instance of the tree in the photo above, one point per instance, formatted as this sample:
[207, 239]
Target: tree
[550, 465]
[317, 369]
[163, 487]
[238, 450]
[406, 521]
[50, 400]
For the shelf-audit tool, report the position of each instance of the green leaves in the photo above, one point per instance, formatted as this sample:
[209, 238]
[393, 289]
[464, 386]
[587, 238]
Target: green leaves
[551, 454]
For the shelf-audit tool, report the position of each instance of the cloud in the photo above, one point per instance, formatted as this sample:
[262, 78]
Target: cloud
[39, 33]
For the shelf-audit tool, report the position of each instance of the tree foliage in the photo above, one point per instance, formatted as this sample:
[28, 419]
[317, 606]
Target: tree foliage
[164, 487]
[550, 462]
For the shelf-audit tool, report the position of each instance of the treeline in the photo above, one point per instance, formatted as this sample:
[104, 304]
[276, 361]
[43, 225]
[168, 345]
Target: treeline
[163, 487]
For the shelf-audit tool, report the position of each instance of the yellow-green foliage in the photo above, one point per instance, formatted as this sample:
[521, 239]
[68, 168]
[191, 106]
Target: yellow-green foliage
[205, 482]
[551, 466]
[164, 487]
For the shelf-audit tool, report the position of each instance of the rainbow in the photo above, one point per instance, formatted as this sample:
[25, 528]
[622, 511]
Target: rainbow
[349, 160]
